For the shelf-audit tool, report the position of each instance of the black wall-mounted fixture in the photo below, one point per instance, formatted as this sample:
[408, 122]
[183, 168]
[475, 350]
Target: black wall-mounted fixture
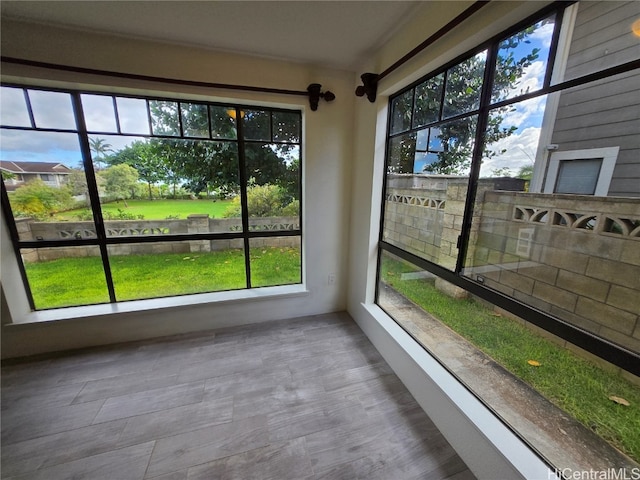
[315, 95]
[370, 81]
[369, 86]
[313, 91]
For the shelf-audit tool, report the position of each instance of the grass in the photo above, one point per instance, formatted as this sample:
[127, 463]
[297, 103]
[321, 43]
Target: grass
[574, 384]
[156, 209]
[80, 281]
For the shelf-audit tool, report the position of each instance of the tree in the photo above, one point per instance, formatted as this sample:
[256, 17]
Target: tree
[142, 156]
[40, 201]
[464, 82]
[525, 172]
[8, 175]
[206, 165]
[100, 148]
[120, 181]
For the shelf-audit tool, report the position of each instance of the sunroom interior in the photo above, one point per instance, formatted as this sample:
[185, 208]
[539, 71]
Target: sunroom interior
[349, 190]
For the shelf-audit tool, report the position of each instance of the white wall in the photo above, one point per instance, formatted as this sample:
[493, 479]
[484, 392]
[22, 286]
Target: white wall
[327, 156]
[490, 449]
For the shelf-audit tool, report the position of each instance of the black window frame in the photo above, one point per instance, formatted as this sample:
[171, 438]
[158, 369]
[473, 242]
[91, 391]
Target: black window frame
[609, 351]
[102, 240]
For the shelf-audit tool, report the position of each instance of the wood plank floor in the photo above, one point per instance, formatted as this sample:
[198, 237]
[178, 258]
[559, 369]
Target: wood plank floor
[303, 399]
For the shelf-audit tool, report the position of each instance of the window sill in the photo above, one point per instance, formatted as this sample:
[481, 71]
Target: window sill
[558, 438]
[235, 296]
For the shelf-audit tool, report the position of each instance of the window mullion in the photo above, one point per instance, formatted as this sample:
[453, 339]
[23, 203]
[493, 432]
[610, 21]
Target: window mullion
[244, 207]
[476, 156]
[92, 188]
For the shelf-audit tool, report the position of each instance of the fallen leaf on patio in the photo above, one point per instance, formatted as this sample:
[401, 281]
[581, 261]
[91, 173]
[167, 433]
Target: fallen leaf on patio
[619, 400]
[534, 363]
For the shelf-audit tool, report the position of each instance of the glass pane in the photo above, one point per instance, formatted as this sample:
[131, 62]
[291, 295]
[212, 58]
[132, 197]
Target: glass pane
[601, 115]
[423, 212]
[164, 118]
[512, 138]
[166, 186]
[152, 270]
[13, 108]
[257, 125]
[428, 146]
[402, 152]
[578, 176]
[428, 101]
[554, 253]
[397, 280]
[99, 114]
[401, 108]
[273, 192]
[195, 120]
[522, 61]
[133, 115]
[52, 110]
[223, 122]
[605, 34]
[464, 85]
[46, 184]
[286, 127]
[452, 143]
[65, 276]
[275, 261]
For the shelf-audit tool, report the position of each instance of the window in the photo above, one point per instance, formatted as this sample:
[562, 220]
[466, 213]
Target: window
[459, 216]
[161, 197]
[581, 172]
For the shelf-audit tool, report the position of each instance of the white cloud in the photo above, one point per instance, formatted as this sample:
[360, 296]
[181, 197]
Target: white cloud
[525, 113]
[543, 34]
[520, 151]
[530, 81]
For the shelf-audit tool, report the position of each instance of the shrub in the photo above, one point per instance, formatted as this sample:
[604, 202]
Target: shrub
[40, 201]
[264, 201]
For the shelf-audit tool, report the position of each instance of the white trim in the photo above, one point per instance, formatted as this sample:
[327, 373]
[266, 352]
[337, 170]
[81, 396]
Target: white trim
[607, 154]
[484, 443]
[162, 303]
[553, 99]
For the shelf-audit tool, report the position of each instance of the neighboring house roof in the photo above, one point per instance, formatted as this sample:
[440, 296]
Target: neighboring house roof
[34, 167]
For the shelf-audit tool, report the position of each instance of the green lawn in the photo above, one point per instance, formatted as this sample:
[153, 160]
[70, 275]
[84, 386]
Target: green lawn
[157, 209]
[579, 387]
[80, 281]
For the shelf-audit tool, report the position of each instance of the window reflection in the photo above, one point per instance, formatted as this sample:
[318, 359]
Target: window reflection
[99, 113]
[464, 85]
[13, 108]
[52, 110]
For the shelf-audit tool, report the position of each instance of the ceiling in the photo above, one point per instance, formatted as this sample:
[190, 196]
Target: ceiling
[336, 34]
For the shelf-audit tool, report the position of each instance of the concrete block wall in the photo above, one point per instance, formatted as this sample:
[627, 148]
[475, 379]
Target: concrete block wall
[199, 223]
[576, 257]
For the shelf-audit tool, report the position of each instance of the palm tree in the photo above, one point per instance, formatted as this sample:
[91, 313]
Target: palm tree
[100, 148]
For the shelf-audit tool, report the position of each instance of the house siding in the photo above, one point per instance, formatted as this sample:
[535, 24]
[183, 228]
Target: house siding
[604, 113]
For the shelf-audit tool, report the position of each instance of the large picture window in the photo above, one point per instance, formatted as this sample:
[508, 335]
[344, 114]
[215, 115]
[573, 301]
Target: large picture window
[494, 208]
[112, 198]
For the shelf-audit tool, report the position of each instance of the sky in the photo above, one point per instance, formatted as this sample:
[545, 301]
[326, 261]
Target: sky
[522, 145]
[54, 110]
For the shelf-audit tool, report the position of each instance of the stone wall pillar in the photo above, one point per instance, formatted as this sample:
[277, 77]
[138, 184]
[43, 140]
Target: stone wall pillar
[198, 223]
